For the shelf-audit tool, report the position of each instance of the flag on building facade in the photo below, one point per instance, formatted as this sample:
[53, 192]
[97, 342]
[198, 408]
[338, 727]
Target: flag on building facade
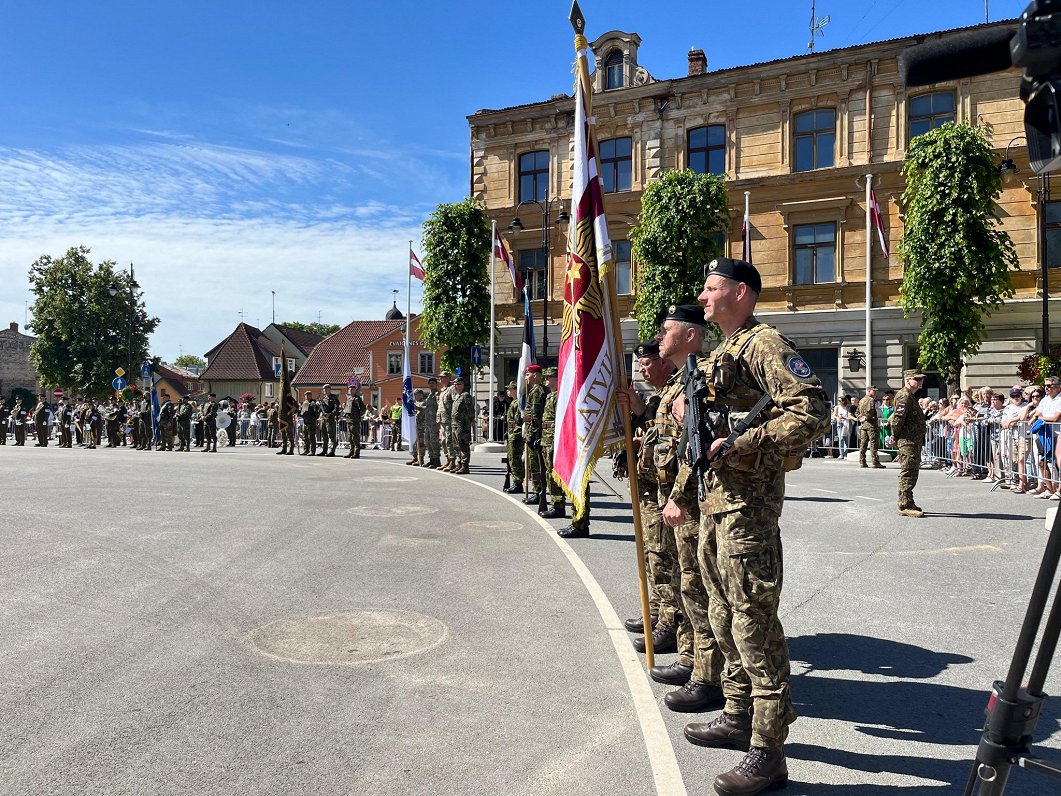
[878, 222]
[504, 255]
[415, 268]
[588, 361]
[526, 354]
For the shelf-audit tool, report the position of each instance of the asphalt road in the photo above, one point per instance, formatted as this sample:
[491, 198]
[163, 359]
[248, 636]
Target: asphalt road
[253, 624]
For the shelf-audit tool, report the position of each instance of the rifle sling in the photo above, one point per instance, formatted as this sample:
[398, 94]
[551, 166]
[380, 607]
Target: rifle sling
[743, 425]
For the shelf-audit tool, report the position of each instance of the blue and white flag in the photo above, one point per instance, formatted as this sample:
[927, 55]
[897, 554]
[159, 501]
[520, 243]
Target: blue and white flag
[526, 354]
[408, 405]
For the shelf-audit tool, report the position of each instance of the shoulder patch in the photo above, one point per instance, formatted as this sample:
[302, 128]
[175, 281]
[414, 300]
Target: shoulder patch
[798, 367]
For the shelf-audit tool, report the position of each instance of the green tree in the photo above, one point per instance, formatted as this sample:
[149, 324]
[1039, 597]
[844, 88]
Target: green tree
[956, 257]
[683, 217]
[82, 330]
[456, 246]
[323, 329]
[190, 361]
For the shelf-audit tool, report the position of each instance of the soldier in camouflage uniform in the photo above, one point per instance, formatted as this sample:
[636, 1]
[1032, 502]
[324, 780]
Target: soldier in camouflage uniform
[353, 410]
[418, 448]
[461, 426]
[698, 669]
[445, 420]
[327, 420]
[908, 428]
[209, 412]
[556, 493]
[740, 540]
[515, 442]
[532, 430]
[869, 428]
[431, 440]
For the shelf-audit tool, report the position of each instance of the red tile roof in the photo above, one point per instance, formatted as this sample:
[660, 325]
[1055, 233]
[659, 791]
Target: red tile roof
[245, 355]
[333, 360]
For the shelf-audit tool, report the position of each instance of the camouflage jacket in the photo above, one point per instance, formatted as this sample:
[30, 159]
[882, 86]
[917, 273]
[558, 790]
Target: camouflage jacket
[754, 360]
[535, 410]
[646, 435]
[867, 409]
[431, 410]
[676, 480]
[463, 411]
[354, 407]
[908, 419]
[549, 421]
[445, 406]
[514, 420]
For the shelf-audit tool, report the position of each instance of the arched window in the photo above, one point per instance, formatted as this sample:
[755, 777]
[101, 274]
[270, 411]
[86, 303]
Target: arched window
[613, 70]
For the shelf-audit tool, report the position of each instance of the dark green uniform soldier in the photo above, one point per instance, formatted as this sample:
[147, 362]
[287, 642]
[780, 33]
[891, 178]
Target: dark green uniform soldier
[143, 424]
[869, 428]
[184, 425]
[18, 418]
[419, 447]
[740, 539]
[167, 423]
[533, 412]
[309, 412]
[431, 440]
[908, 428]
[288, 408]
[40, 421]
[514, 442]
[209, 412]
[463, 414]
[328, 407]
[557, 498]
[353, 411]
[5, 414]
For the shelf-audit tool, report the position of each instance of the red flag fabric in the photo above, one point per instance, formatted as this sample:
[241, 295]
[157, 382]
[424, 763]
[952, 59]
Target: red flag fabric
[585, 403]
[504, 255]
[878, 222]
[415, 268]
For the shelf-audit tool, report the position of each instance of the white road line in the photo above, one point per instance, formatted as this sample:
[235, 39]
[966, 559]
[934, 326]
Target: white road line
[665, 771]
[830, 491]
[864, 497]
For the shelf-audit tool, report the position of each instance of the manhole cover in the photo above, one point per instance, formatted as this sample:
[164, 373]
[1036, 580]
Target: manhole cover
[387, 479]
[492, 525]
[390, 511]
[348, 639]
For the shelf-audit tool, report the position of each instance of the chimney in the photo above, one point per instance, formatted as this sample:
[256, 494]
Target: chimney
[14, 326]
[697, 62]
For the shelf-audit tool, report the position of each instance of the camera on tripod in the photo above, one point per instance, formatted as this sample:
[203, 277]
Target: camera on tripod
[1034, 46]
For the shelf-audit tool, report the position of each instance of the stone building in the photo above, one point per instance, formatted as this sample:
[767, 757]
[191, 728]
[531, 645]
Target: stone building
[799, 135]
[15, 368]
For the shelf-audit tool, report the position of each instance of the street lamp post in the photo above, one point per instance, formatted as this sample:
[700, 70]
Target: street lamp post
[517, 226]
[113, 290]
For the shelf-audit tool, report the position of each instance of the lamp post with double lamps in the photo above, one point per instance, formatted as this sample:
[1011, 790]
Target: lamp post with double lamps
[516, 226]
[113, 289]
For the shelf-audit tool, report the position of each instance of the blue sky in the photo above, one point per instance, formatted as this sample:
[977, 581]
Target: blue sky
[232, 149]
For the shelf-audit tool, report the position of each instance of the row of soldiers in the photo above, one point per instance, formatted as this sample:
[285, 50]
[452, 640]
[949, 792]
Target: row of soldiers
[445, 413]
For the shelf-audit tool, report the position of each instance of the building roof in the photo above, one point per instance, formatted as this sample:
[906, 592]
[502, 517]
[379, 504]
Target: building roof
[177, 378]
[333, 361]
[245, 355]
[305, 341]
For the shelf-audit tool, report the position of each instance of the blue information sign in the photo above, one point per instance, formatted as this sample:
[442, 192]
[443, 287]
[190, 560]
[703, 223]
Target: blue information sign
[145, 370]
[118, 383]
[477, 355]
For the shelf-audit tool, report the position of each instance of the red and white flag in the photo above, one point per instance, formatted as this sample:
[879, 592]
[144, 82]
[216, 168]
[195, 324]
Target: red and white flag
[504, 255]
[586, 419]
[415, 268]
[878, 222]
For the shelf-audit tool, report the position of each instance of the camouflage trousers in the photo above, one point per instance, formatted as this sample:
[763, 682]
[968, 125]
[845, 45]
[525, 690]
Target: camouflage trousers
[462, 444]
[433, 444]
[741, 559]
[419, 449]
[515, 446]
[697, 645]
[556, 492]
[534, 468]
[867, 438]
[661, 561]
[329, 434]
[353, 432]
[167, 429]
[909, 462]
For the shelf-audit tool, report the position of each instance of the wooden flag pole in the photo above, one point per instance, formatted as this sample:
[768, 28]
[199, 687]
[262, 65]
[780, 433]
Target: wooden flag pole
[578, 22]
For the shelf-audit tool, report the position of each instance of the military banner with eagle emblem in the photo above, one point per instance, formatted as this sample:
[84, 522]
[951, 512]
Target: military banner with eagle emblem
[586, 418]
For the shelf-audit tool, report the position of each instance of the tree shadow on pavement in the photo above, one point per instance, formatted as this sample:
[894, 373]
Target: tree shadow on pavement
[979, 515]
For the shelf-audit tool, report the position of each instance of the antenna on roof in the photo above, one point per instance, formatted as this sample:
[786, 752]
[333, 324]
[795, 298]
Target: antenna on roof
[816, 26]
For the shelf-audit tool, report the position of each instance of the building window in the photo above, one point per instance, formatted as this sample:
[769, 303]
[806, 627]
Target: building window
[613, 70]
[929, 111]
[532, 262]
[815, 253]
[534, 176]
[616, 164]
[427, 362]
[707, 149]
[268, 389]
[815, 133]
[1053, 234]
[394, 363]
[623, 270]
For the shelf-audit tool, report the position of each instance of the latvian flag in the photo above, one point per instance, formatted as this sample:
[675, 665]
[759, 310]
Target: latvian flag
[878, 222]
[504, 255]
[415, 268]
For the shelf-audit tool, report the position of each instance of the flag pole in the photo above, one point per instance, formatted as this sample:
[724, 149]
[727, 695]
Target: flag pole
[578, 22]
[408, 366]
[493, 263]
[869, 280]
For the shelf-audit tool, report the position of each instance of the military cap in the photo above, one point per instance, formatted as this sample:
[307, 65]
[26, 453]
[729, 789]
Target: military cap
[686, 313]
[735, 269]
[534, 368]
[549, 372]
[445, 373]
[211, 395]
[418, 391]
[913, 373]
[460, 380]
[648, 348]
[871, 387]
[432, 380]
[326, 387]
[512, 386]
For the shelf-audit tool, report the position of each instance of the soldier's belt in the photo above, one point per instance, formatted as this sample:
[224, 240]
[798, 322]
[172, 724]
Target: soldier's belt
[547, 425]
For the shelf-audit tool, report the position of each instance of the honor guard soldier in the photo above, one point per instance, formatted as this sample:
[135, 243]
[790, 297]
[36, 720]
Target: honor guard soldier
[209, 412]
[431, 440]
[5, 413]
[329, 415]
[418, 448]
[556, 492]
[757, 375]
[184, 424]
[515, 441]
[167, 417]
[40, 421]
[353, 411]
[532, 430]
[65, 420]
[286, 414]
[908, 428]
[19, 415]
[110, 420]
[868, 417]
[463, 412]
[272, 420]
[445, 416]
[309, 413]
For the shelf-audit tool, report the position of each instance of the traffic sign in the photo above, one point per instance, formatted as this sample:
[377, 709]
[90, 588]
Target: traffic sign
[477, 355]
[119, 371]
[145, 370]
[57, 393]
[118, 383]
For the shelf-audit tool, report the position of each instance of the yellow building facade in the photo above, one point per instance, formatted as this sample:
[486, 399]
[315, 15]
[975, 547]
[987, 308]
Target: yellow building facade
[799, 135]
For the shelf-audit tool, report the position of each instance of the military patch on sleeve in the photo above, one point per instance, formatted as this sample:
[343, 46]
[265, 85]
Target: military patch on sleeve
[798, 367]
